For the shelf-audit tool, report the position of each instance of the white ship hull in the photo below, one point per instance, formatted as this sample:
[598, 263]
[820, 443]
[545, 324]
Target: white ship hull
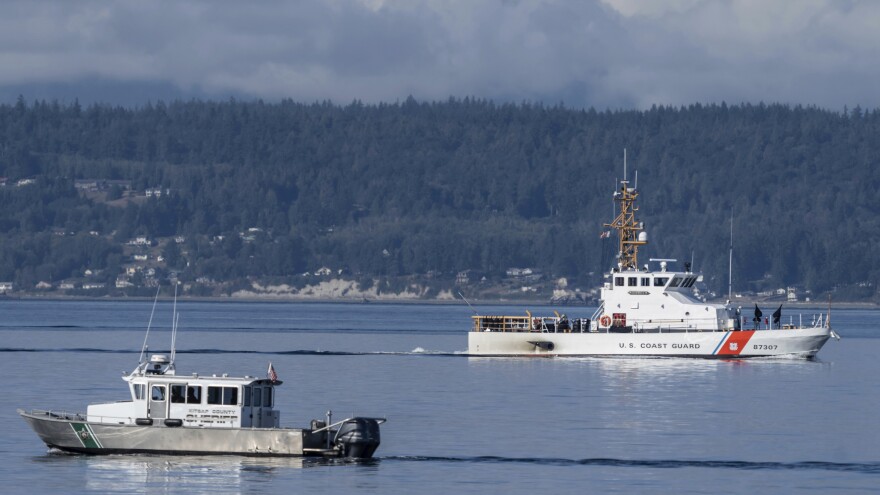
[800, 342]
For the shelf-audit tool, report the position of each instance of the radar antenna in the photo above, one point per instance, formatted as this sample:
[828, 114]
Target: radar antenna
[627, 227]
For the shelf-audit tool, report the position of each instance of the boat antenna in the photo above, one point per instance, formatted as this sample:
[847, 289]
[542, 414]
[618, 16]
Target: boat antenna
[629, 229]
[174, 319]
[174, 338]
[469, 304]
[149, 324]
[730, 260]
[828, 318]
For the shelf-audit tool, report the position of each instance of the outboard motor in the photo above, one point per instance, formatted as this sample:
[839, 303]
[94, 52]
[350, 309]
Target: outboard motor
[358, 437]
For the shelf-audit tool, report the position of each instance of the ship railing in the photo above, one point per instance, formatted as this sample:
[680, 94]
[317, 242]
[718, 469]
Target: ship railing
[503, 324]
[67, 415]
[537, 324]
[817, 320]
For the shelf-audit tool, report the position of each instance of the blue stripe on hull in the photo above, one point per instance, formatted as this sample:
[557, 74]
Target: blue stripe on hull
[721, 342]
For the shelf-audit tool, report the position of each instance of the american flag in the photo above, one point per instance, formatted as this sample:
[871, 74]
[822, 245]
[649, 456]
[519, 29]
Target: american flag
[273, 377]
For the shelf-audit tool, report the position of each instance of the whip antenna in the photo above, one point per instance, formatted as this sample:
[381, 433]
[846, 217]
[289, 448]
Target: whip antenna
[469, 304]
[149, 324]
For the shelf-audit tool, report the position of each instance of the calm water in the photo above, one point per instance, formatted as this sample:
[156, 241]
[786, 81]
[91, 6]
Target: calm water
[456, 424]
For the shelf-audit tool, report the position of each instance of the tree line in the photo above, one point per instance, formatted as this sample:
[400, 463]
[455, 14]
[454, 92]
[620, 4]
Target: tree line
[415, 188]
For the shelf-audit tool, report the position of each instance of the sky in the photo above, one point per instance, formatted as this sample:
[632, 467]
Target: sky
[616, 54]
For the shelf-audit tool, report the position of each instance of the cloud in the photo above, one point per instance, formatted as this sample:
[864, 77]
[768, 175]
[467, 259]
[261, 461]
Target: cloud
[610, 53]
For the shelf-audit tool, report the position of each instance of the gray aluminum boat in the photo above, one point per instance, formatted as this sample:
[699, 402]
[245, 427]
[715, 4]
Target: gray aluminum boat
[174, 414]
[169, 413]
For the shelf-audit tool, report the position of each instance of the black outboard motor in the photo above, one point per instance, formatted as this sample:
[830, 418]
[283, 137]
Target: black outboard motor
[358, 437]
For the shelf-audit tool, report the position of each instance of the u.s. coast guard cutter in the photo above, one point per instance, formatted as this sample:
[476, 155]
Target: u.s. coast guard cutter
[647, 312]
[168, 413]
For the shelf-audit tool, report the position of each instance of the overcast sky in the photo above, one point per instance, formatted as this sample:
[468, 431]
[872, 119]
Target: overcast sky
[601, 53]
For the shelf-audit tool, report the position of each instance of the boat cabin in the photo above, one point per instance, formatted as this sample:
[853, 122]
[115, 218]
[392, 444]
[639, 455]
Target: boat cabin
[159, 396]
[659, 300]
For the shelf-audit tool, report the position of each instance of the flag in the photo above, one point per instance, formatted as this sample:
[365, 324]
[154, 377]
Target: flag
[605, 235]
[777, 315]
[273, 377]
[758, 314]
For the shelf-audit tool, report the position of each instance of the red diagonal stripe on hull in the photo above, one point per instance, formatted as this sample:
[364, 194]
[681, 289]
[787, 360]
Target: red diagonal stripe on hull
[736, 343]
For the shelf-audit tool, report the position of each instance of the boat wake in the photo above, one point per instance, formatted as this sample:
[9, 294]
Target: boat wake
[418, 351]
[237, 328]
[867, 468]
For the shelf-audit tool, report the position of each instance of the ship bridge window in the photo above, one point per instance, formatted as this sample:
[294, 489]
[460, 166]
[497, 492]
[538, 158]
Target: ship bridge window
[258, 394]
[660, 281]
[646, 282]
[248, 392]
[675, 282]
[140, 391]
[267, 397]
[226, 396]
[689, 282]
[632, 282]
[158, 393]
[193, 394]
[618, 281]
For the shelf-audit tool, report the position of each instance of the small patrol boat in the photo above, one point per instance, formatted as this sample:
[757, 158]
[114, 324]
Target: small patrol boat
[647, 311]
[192, 414]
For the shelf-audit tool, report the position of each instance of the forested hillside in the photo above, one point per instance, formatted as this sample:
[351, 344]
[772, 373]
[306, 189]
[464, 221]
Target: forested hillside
[426, 190]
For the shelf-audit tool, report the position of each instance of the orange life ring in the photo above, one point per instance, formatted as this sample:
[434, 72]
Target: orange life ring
[605, 320]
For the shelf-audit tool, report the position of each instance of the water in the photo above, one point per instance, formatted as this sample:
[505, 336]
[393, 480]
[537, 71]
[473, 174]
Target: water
[456, 424]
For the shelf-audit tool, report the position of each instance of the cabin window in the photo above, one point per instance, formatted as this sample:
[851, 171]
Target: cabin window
[257, 397]
[660, 281]
[618, 281]
[215, 395]
[675, 282]
[646, 282]
[247, 396]
[158, 393]
[632, 282]
[193, 394]
[177, 394]
[230, 396]
[267, 397]
[140, 391]
[227, 396]
[689, 282]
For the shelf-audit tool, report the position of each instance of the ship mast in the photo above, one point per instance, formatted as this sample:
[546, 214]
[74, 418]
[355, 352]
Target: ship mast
[628, 229]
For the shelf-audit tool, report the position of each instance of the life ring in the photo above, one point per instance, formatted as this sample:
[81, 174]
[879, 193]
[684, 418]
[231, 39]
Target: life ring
[605, 320]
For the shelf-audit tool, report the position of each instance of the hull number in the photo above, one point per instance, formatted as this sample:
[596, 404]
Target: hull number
[764, 347]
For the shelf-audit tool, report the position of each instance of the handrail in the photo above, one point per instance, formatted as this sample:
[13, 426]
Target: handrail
[67, 415]
[547, 324]
[319, 430]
